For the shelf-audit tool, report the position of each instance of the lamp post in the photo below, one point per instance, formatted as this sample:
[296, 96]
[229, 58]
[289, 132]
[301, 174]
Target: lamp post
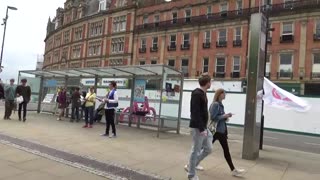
[5, 20]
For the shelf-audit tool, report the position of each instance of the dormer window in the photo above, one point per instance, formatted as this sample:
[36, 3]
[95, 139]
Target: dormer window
[102, 5]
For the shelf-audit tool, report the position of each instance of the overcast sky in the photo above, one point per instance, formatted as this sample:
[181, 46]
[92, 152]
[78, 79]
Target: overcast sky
[26, 31]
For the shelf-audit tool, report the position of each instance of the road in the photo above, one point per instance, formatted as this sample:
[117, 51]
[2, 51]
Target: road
[282, 140]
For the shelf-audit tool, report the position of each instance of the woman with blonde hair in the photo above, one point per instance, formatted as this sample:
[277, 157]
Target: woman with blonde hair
[219, 117]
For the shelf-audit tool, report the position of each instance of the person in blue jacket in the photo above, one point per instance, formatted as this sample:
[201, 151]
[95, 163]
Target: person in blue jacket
[220, 118]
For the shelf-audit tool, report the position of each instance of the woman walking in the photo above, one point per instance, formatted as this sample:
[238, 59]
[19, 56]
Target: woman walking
[220, 118]
[89, 107]
[62, 99]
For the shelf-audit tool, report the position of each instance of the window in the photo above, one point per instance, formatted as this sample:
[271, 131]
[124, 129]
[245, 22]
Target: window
[154, 62]
[185, 67]
[209, 10]
[143, 45]
[96, 29]
[223, 9]
[76, 51]
[173, 39]
[316, 64]
[288, 4]
[236, 64]
[65, 53]
[142, 62]
[222, 35]
[66, 37]
[121, 3]
[155, 43]
[220, 67]
[237, 34]
[94, 48]
[207, 37]
[285, 68]
[239, 5]
[93, 63]
[56, 56]
[117, 45]
[57, 41]
[115, 62]
[174, 17]
[145, 20]
[188, 15]
[186, 40]
[78, 33]
[318, 28]
[102, 5]
[205, 65]
[287, 28]
[156, 20]
[268, 64]
[171, 62]
[119, 23]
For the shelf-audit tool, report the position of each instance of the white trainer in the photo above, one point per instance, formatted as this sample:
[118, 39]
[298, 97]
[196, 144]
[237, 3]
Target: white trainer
[238, 172]
[199, 168]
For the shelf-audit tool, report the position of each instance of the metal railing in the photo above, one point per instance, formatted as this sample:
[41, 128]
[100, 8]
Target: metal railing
[273, 10]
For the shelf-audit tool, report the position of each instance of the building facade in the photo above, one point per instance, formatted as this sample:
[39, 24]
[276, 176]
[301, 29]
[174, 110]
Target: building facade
[193, 36]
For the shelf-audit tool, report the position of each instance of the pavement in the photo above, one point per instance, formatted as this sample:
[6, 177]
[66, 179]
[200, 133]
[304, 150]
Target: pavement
[16, 164]
[139, 150]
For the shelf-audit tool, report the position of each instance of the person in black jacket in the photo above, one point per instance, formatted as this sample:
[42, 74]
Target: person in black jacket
[24, 91]
[201, 136]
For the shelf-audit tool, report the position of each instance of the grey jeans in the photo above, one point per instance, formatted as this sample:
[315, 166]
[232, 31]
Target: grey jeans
[201, 148]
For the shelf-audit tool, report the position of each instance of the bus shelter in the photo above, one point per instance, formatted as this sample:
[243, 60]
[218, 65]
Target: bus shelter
[149, 95]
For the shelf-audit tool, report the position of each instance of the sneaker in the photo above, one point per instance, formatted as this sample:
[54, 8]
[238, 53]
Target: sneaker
[85, 126]
[194, 178]
[199, 168]
[237, 172]
[24, 119]
[58, 119]
[105, 135]
[90, 126]
[113, 136]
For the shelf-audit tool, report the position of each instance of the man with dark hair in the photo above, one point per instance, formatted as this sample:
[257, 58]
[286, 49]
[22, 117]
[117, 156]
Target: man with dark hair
[75, 104]
[201, 136]
[110, 107]
[9, 92]
[24, 91]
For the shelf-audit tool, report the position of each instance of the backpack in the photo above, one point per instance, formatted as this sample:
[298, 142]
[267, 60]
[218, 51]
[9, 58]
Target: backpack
[213, 125]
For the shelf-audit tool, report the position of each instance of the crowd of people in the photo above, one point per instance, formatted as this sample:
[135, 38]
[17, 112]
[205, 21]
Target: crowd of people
[87, 102]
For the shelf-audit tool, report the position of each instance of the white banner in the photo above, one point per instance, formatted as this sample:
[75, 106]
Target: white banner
[279, 98]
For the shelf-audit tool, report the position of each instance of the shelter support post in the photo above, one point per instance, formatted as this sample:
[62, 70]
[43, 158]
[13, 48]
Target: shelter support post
[160, 105]
[180, 104]
[131, 100]
[40, 95]
[96, 79]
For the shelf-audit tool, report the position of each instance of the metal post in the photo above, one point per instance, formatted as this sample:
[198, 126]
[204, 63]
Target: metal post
[180, 103]
[160, 106]
[5, 20]
[4, 36]
[131, 100]
[96, 83]
[40, 95]
[66, 114]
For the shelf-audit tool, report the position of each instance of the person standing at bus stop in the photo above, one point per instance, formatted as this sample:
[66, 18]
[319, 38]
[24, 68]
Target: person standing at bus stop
[89, 108]
[110, 107]
[9, 92]
[25, 91]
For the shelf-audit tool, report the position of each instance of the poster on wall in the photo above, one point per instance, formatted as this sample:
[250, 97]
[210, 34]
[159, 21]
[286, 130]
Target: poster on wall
[48, 98]
[139, 90]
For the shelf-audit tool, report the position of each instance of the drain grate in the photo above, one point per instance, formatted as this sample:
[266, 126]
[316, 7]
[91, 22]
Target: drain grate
[108, 170]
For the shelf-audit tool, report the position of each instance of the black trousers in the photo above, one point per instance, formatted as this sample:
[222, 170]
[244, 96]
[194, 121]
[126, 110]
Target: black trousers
[109, 113]
[223, 139]
[75, 112]
[9, 105]
[24, 106]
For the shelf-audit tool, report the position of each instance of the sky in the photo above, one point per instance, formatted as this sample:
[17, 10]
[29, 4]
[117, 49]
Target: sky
[25, 34]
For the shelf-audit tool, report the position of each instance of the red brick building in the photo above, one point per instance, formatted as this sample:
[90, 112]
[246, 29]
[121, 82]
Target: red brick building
[193, 36]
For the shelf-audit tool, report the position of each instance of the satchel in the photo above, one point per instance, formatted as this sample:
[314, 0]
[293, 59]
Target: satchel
[19, 99]
[213, 125]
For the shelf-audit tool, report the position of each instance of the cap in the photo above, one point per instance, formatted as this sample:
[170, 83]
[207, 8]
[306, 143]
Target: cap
[23, 80]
